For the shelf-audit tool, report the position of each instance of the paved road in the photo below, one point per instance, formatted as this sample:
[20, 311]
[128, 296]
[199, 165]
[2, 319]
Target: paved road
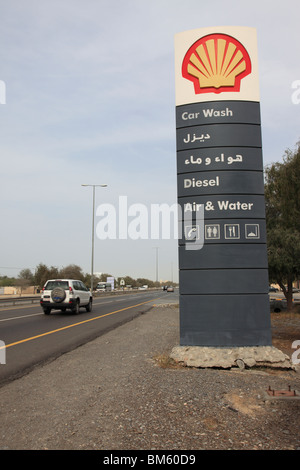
[31, 337]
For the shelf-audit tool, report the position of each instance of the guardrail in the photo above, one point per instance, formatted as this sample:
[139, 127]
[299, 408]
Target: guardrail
[18, 300]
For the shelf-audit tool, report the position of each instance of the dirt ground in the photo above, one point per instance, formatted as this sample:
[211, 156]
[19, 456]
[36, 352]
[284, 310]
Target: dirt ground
[286, 330]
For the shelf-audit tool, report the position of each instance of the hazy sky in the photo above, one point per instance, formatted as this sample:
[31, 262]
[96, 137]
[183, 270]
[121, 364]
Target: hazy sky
[90, 98]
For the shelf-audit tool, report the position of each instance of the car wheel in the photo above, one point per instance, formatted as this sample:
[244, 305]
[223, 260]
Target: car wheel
[89, 306]
[47, 311]
[58, 295]
[76, 308]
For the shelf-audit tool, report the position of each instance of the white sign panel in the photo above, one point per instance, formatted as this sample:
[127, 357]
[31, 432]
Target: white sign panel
[218, 63]
[111, 280]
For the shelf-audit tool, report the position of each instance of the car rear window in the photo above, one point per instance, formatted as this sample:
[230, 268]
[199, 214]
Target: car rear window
[52, 284]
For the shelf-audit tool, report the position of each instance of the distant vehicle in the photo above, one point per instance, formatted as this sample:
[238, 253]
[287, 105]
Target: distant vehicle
[63, 294]
[103, 287]
[170, 289]
[278, 305]
[272, 289]
[294, 289]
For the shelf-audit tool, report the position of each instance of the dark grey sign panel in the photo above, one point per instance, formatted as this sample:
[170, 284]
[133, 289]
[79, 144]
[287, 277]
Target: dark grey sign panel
[221, 182]
[223, 206]
[224, 281]
[213, 112]
[230, 256]
[225, 320]
[219, 135]
[223, 265]
[228, 158]
[223, 231]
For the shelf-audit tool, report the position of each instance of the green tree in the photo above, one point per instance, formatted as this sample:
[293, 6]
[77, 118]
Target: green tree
[103, 277]
[43, 273]
[27, 275]
[129, 281]
[282, 193]
[72, 271]
[141, 281]
[24, 280]
[7, 281]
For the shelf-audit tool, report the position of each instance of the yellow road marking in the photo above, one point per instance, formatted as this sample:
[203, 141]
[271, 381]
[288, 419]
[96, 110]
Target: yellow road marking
[74, 324]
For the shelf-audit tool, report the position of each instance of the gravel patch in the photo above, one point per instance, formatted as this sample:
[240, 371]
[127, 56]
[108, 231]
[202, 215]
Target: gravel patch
[122, 391]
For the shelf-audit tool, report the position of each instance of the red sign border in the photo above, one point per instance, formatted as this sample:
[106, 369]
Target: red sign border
[195, 80]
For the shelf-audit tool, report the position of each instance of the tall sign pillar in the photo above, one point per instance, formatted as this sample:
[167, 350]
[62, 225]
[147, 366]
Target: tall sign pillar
[223, 267]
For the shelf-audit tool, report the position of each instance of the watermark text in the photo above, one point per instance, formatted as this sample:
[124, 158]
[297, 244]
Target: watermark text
[159, 221]
[2, 352]
[296, 355]
[2, 92]
[296, 93]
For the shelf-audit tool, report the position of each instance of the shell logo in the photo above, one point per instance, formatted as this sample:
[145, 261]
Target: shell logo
[216, 63]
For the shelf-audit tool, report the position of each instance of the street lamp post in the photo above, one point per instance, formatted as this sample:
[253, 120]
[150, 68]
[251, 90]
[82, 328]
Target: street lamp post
[93, 229]
[156, 248]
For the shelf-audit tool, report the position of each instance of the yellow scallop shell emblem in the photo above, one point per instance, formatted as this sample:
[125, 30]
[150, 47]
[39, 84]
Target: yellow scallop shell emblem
[216, 63]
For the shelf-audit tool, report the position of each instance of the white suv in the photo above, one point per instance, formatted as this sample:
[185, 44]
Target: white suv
[62, 294]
